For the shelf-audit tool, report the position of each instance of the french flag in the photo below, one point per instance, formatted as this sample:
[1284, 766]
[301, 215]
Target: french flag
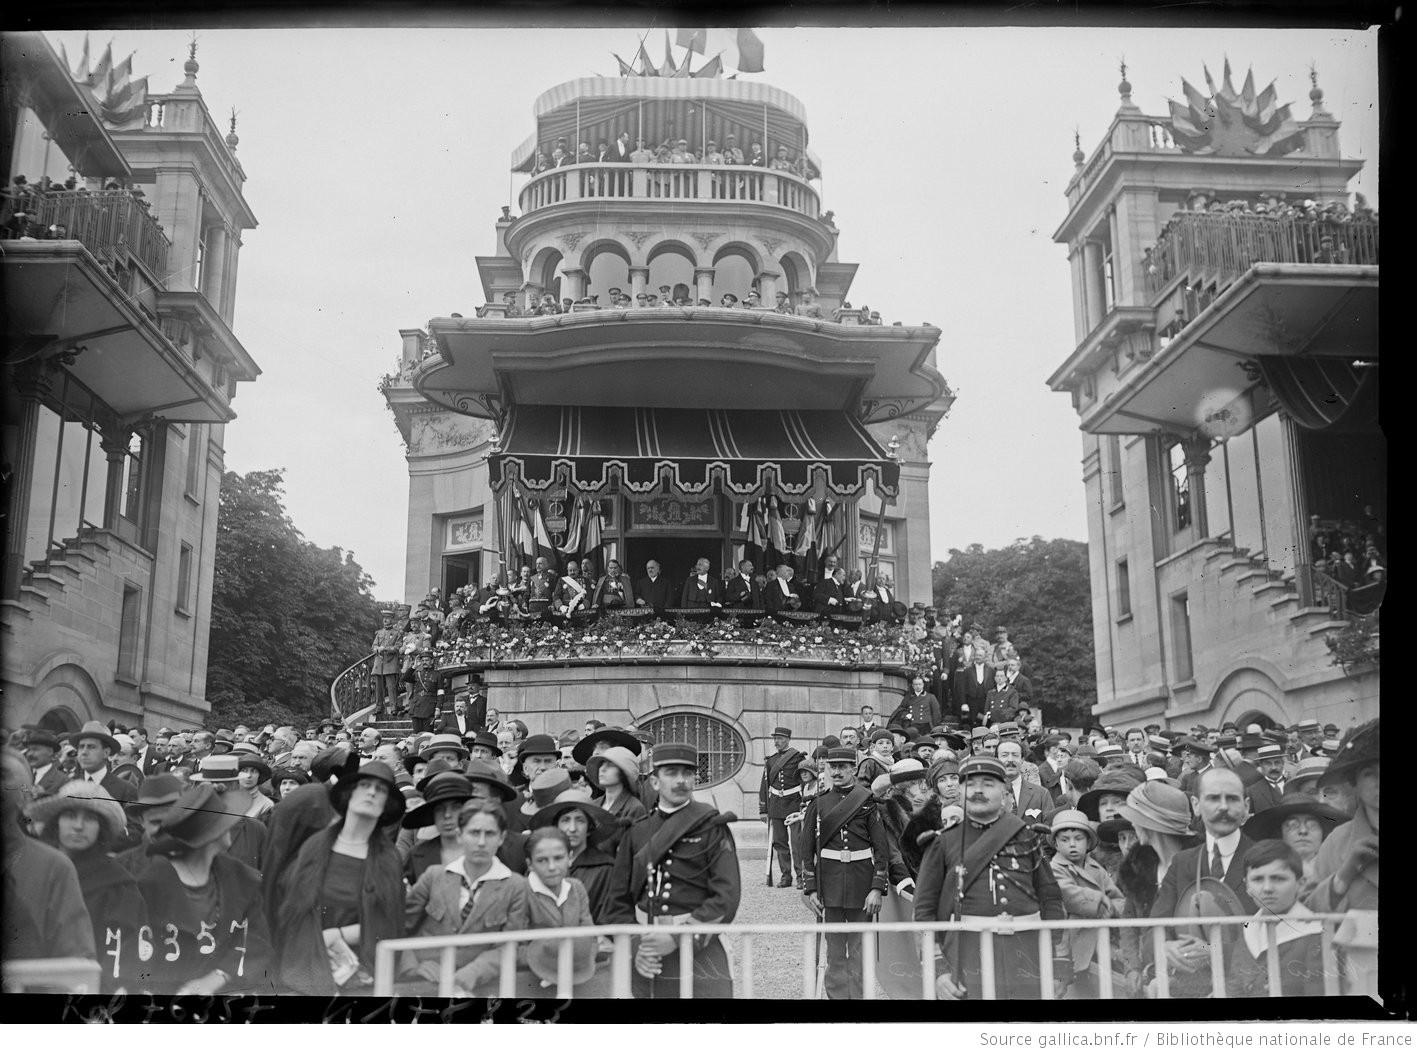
[740, 48]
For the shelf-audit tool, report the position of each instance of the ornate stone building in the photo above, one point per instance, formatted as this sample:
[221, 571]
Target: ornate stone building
[119, 261]
[1225, 376]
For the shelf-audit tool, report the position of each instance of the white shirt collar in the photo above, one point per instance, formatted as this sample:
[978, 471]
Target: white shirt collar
[1227, 845]
[671, 810]
[1297, 922]
[537, 886]
[497, 871]
[97, 777]
[783, 582]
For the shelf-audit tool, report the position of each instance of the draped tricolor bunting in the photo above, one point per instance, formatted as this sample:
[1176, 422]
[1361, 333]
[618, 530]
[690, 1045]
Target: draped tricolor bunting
[751, 453]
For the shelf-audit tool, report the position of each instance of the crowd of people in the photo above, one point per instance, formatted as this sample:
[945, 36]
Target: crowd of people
[257, 860]
[677, 297]
[23, 211]
[1350, 551]
[1016, 822]
[671, 151]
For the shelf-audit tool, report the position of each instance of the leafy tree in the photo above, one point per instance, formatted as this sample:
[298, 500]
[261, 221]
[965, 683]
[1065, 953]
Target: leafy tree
[1040, 591]
[287, 615]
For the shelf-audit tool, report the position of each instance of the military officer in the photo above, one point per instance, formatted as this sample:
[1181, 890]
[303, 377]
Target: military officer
[989, 868]
[778, 798]
[541, 587]
[847, 867]
[677, 865]
[385, 672]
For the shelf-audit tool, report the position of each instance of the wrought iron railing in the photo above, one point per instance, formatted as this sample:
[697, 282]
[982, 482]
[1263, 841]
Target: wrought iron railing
[1211, 250]
[1320, 589]
[111, 224]
[710, 183]
[720, 747]
[354, 692]
[385, 976]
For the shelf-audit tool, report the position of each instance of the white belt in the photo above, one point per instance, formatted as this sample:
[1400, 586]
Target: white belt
[846, 856]
[1002, 923]
[642, 917]
[783, 794]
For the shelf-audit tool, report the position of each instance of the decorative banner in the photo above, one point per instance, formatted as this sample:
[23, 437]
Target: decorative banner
[464, 532]
[674, 515]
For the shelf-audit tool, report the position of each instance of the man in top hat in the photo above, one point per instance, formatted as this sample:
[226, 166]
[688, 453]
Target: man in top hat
[677, 865]
[40, 747]
[990, 867]
[385, 671]
[778, 798]
[846, 867]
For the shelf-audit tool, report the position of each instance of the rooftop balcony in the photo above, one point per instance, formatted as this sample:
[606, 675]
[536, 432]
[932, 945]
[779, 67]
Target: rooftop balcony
[112, 225]
[737, 184]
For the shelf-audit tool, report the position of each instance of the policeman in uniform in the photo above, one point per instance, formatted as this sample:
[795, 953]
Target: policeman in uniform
[778, 798]
[989, 868]
[385, 672]
[677, 865]
[847, 868]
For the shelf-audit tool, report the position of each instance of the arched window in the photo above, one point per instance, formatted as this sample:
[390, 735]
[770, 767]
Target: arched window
[721, 749]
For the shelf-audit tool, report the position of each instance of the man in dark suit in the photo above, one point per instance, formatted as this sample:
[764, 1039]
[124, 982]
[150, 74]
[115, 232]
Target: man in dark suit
[1266, 791]
[620, 150]
[829, 595]
[742, 590]
[782, 594]
[469, 714]
[40, 746]
[653, 590]
[96, 748]
[702, 589]
[1031, 801]
[1050, 770]
[1017, 681]
[919, 711]
[972, 684]
[1219, 801]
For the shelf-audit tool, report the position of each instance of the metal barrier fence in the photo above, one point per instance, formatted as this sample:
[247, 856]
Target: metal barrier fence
[622, 959]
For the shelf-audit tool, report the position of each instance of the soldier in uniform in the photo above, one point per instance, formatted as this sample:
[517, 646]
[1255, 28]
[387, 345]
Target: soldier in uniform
[540, 587]
[847, 865]
[423, 693]
[385, 672]
[990, 868]
[778, 798]
[677, 865]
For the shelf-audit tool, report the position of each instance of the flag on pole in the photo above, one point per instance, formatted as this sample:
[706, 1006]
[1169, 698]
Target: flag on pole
[741, 48]
[593, 528]
[777, 537]
[758, 523]
[526, 539]
[626, 70]
[575, 529]
[712, 68]
[807, 533]
[668, 69]
[644, 67]
[100, 72]
[540, 533]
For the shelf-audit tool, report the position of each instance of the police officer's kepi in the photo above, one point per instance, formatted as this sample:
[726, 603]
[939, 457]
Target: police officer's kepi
[781, 731]
[676, 754]
[845, 754]
[982, 765]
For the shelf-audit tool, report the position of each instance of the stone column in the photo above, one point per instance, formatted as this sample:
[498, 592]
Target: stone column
[703, 282]
[767, 287]
[32, 384]
[1197, 451]
[214, 268]
[639, 282]
[1093, 295]
[573, 283]
[115, 448]
[1298, 497]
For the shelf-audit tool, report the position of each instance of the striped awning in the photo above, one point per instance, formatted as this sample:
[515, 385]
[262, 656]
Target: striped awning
[749, 453]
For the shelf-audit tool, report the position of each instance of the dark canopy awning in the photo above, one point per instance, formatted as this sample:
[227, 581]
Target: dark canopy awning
[751, 452]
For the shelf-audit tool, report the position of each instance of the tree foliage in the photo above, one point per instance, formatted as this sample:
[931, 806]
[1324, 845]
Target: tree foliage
[287, 615]
[1040, 591]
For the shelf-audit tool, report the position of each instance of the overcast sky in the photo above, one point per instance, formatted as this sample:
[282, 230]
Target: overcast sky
[377, 161]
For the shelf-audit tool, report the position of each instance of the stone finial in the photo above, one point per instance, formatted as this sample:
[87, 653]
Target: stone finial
[231, 137]
[1316, 94]
[1078, 156]
[1124, 89]
[190, 67]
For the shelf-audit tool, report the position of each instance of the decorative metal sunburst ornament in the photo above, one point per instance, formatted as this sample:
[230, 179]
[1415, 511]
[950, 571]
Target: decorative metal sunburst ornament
[1233, 124]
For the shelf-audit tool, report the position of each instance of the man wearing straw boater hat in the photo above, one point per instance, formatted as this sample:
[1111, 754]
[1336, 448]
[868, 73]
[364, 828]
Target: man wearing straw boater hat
[677, 865]
[989, 868]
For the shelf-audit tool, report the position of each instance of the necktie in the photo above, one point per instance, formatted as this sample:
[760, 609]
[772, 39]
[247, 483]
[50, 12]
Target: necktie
[471, 897]
[1217, 866]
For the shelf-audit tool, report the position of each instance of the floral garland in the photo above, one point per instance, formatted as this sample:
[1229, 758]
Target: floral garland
[615, 635]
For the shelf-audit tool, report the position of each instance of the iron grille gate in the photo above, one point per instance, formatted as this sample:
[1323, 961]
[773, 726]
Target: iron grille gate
[721, 749]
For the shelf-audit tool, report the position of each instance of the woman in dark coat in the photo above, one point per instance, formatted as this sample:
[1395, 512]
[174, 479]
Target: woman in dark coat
[209, 929]
[343, 892]
[83, 821]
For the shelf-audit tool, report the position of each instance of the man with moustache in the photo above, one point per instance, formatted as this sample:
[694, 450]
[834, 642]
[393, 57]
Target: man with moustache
[988, 868]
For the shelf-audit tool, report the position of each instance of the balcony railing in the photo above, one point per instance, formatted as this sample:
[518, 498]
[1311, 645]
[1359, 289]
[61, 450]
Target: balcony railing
[112, 225]
[1211, 250]
[709, 183]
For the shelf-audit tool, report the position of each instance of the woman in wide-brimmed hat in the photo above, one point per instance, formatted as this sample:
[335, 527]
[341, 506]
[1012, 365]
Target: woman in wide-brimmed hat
[614, 773]
[343, 891]
[1161, 815]
[585, 826]
[84, 821]
[204, 906]
[1301, 822]
[251, 772]
[285, 780]
[444, 794]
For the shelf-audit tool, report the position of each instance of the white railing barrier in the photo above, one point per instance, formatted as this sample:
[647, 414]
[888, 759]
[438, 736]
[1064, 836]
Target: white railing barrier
[385, 966]
[74, 976]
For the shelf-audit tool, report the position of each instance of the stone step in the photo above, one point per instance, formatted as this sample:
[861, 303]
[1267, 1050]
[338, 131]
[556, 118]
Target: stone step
[45, 583]
[60, 568]
[34, 598]
[1328, 625]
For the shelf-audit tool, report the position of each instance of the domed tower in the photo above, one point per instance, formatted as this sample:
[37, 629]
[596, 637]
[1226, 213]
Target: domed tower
[699, 377]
